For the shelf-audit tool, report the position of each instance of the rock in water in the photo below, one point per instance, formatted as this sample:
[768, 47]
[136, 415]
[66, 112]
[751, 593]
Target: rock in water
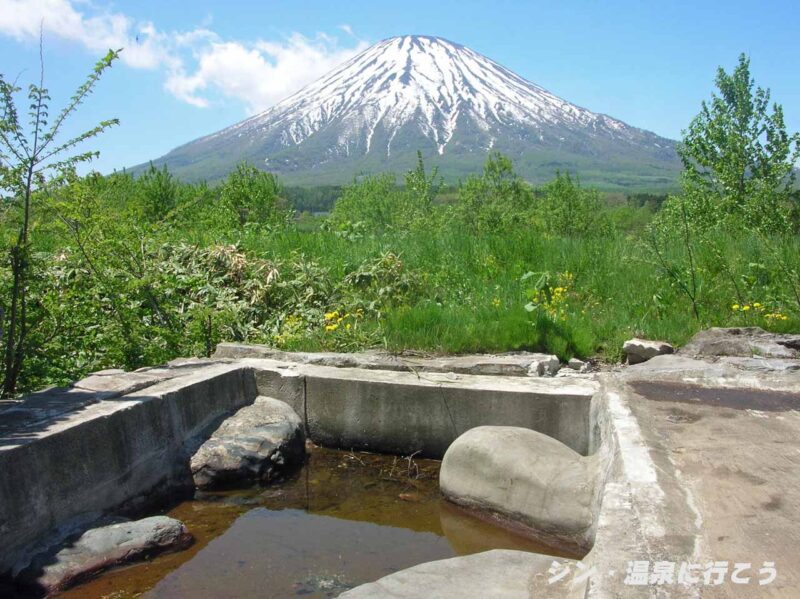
[640, 350]
[254, 445]
[102, 548]
[525, 476]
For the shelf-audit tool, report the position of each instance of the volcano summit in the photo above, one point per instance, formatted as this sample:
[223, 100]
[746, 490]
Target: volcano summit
[425, 93]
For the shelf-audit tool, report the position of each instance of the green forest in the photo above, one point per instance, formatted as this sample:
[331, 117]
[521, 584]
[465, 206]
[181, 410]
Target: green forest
[103, 271]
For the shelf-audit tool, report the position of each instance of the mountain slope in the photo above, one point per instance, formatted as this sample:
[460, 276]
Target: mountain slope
[424, 93]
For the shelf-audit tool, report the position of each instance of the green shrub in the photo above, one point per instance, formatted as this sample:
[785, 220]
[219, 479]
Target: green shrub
[569, 210]
[252, 195]
[496, 199]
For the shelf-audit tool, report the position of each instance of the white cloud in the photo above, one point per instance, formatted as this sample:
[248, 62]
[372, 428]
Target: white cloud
[145, 47]
[259, 74]
[198, 65]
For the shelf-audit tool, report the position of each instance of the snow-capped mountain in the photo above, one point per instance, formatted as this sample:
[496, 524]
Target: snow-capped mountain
[425, 93]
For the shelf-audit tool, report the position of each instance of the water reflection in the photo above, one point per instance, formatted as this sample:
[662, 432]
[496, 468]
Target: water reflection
[344, 519]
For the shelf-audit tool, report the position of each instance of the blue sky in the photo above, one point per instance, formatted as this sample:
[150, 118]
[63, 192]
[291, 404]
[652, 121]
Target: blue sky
[191, 68]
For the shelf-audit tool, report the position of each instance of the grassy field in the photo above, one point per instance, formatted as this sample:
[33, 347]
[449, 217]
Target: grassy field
[128, 273]
[474, 290]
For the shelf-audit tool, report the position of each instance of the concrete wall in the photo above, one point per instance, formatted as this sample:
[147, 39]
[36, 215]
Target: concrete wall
[404, 413]
[117, 449]
[110, 454]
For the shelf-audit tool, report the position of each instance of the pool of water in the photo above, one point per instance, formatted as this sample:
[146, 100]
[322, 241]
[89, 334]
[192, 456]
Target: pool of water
[343, 519]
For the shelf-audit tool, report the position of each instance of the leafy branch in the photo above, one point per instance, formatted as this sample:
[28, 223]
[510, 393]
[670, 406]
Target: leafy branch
[30, 159]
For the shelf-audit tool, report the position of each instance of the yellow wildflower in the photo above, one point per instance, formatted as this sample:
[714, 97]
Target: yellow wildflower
[735, 307]
[776, 316]
[331, 327]
[745, 308]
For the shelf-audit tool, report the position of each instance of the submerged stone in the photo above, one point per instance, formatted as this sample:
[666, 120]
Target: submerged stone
[102, 548]
[256, 444]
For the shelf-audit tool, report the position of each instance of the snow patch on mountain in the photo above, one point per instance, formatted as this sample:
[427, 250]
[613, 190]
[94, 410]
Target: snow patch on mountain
[432, 84]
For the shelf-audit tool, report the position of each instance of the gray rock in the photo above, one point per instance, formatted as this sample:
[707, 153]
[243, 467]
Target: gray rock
[743, 342]
[775, 374]
[256, 444]
[102, 548]
[640, 350]
[498, 573]
[525, 476]
[765, 365]
[544, 366]
[579, 365]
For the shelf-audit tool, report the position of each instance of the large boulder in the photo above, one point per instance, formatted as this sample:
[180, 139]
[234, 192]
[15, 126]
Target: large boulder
[497, 573]
[256, 444]
[524, 476]
[102, 548]
[744, 342]
[640, 350]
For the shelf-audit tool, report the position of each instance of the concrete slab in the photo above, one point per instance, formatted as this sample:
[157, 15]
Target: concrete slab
[703, 473]
[407, 412]
[111, 385]
[19, 418]
[511, 364]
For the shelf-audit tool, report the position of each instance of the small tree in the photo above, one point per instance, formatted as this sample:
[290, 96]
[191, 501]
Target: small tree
[159, 193]
[568, 209]
[31, 157]
[252, 194]
[499, 197]
[739, 160]
[420, 191]
[371, 201]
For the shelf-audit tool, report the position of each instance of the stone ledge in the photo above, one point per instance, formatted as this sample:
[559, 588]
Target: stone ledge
[510, 364]
[107, 454]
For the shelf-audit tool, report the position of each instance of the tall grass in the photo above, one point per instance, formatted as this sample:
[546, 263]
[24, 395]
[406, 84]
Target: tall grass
[473, 296]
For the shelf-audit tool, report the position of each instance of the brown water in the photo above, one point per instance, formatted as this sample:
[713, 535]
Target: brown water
[342, 520]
